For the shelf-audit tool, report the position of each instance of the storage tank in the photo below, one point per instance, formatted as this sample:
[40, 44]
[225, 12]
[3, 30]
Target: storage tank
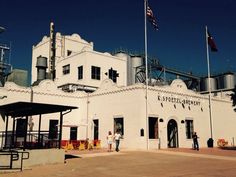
[41, 66]
[205, 84]
[19, 77]
[127, 57]
[136, 62]
[227, 81]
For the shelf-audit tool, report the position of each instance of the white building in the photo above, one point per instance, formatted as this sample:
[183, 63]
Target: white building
[77, 64]
[169, 118]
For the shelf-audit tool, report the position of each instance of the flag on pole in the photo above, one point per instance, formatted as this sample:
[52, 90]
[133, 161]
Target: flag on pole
[211, 42]
[151, 17]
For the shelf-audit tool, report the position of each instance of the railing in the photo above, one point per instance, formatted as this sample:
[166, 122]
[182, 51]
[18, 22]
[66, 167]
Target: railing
[32, 140]
[13, 156]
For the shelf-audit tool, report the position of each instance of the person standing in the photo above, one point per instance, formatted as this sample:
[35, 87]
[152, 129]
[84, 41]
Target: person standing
[117, 138]
[109, 141]
[195, 141]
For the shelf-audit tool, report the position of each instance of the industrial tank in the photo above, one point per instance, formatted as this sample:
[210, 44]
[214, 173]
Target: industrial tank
[227, 81]
[136, 71]
[127, 57]
[205, 84]
[41, 66]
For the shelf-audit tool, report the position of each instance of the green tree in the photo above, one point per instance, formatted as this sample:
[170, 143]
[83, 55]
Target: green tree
[233, 98]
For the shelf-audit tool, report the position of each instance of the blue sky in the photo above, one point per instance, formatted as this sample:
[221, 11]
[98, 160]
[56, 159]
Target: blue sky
[111, 25]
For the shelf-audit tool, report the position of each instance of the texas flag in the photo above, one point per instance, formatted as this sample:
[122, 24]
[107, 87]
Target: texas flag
[211, 42]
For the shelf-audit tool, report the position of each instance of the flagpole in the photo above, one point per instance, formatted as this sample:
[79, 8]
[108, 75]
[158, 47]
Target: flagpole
[209, 84]
[146, 70]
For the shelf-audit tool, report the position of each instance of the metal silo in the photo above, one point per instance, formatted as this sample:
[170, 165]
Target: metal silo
[136, 71]
[205, 84]
[127, 57]
[41, 66]
[228, 81]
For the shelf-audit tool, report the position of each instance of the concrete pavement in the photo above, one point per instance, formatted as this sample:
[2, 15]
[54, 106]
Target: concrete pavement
[161, 163]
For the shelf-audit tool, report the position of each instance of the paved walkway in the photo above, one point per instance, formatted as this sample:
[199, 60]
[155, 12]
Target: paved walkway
[161, 163]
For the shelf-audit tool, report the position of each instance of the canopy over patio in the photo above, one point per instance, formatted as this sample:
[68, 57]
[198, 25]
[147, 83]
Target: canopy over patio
[26, 109]
[21, 109]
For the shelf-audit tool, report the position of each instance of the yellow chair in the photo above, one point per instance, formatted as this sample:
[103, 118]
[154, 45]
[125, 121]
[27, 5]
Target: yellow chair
[82, 146]
[90, 145]
[70, 146]
[97, 144]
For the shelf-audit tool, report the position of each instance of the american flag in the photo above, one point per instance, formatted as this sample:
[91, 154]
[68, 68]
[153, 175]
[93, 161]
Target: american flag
[151, 18]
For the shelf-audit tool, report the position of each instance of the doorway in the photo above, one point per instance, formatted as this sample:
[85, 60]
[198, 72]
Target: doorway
[172, 134]
[53, 129]
[73, 133]
[95, 129]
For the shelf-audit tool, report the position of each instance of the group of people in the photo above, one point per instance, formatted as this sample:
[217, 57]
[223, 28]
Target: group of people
[111, 138]
[117, 136]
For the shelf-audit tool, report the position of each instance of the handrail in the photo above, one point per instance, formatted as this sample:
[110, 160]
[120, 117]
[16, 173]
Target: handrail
[31, 140]
[14, 156]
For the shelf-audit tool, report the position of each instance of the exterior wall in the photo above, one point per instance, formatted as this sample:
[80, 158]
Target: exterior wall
[110, 101]
[87, 59]
[45, 92]
[224, 119]
[82, 54]
[37, 157]
[168, 102]
[74, 43]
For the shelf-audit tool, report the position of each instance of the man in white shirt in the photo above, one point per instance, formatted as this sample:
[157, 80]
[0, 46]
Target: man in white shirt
[117, 138]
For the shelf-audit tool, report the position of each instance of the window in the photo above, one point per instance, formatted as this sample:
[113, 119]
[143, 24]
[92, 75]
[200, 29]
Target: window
[73, 133]
[96, 129]
[95, 73]
[66, 69]
[113, 75]
[119, 125]
[189, 128]
[69, 52]
[80, 72]
[153, 127]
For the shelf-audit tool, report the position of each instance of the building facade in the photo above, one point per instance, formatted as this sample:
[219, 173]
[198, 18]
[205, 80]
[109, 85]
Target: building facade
[173, 113]
[103, 88]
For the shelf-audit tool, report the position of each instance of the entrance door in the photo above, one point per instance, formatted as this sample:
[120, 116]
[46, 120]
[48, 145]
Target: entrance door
[95, 129]
[53, 131]
[172, 133]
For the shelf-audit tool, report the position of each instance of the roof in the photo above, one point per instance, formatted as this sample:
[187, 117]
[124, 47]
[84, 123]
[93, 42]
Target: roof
[20, 109]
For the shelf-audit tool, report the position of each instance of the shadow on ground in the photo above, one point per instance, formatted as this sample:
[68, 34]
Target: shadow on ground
[69, 156]
[228, 148]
